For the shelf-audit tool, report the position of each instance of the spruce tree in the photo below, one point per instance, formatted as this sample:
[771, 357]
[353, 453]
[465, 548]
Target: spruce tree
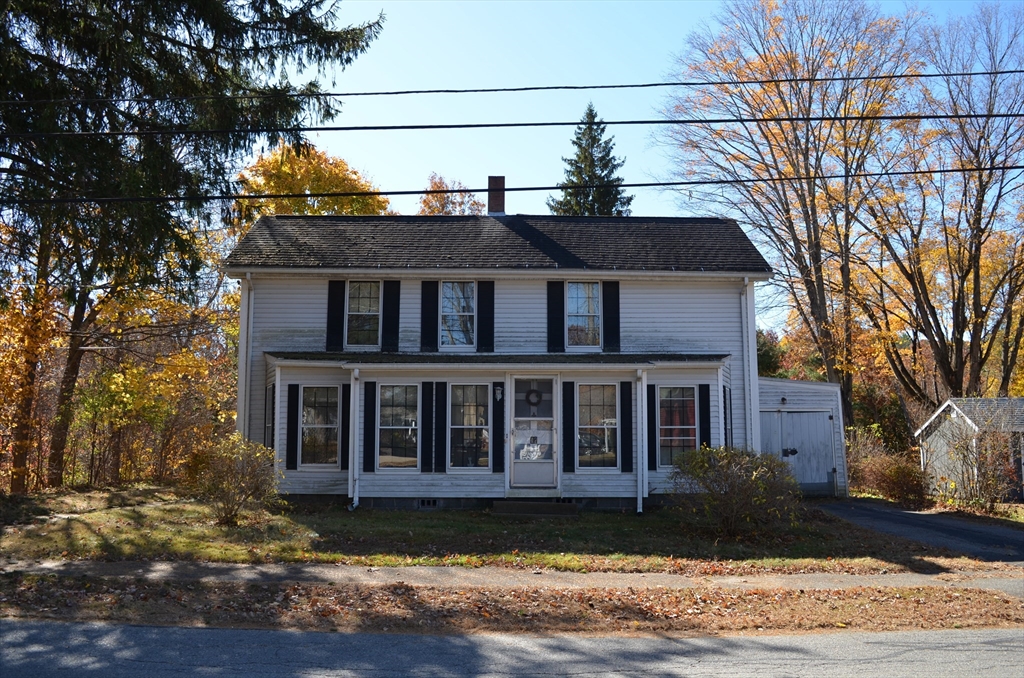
[593, 165]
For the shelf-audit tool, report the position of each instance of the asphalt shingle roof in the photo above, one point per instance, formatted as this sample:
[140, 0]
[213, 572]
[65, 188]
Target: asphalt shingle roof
[1005, 414]
[503, 242]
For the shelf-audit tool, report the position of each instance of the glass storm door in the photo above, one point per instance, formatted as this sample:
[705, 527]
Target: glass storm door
[533, 434]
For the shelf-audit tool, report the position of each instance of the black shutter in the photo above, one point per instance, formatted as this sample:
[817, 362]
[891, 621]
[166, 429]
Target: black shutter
[428, 316]
[346, 423]
[556, 316]
[440, 426]
[610, 300]
[427, 427]
[568, 427]
[704, 414]
[485, 316]
[626, 425]
[389, 312]
[727, 415]
[291, 450]
[335, 315]
[497, 428]
[652, 427]
[369, 426]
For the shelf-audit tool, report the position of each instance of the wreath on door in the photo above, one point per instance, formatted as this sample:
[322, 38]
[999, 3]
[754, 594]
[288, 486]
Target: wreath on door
[533, 397]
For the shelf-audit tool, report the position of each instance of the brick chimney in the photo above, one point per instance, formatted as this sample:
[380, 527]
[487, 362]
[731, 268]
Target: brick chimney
[496, 196]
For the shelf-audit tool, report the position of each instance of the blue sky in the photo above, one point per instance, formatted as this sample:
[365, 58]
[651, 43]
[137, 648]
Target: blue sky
[433, 45]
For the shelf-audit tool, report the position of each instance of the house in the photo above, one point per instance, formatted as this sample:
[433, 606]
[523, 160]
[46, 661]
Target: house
[955, 438]
[451, 361]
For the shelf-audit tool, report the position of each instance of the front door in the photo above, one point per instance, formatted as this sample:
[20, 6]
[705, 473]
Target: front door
[533, 433]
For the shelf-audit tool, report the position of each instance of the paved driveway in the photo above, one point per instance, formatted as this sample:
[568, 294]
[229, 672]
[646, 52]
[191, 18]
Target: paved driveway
[990, 543]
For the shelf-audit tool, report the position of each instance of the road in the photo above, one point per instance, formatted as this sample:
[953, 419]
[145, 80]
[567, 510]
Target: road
[56, 649]
[990, 543]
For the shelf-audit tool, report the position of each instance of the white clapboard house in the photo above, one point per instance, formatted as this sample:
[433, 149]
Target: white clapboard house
[451, 361]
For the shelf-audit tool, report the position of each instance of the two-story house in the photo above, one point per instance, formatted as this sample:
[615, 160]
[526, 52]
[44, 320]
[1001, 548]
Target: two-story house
[456, 360]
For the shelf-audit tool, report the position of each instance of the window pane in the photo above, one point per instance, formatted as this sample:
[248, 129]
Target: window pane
[457, 297]
[320, 445]
[398, 448]
[534, 398]
[320, 406]
[671, 450]
[469, 405]
[457, 330]
[398, 405]
[583, 298]
[364, 297]
[584, 331]
[598, 448]
[470, 448]
[597, 405]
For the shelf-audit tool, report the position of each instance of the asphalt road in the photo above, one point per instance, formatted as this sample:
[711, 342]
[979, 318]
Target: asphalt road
[990, 543]
[44, 649]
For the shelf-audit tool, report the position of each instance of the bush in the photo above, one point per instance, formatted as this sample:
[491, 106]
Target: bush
[234, 475]
[893, 477]
[741, 492]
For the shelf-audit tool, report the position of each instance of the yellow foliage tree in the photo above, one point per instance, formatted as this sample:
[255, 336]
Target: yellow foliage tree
[303, 169]
[452, 204]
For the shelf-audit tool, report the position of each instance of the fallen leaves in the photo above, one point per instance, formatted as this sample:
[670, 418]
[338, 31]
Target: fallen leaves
[400, 607]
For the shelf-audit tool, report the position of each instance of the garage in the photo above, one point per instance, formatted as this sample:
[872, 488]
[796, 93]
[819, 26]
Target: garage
[801, 422]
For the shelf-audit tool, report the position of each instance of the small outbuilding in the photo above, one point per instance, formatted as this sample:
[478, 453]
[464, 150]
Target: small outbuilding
[959, 435]
[802, 422]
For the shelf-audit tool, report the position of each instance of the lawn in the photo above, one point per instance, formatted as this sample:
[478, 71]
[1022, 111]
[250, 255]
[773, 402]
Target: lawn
[157, 523]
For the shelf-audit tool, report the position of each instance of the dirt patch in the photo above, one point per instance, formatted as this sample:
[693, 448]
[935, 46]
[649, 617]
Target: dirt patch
[404, 608]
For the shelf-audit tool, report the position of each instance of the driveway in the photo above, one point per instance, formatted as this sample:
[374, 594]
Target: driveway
[990, 543]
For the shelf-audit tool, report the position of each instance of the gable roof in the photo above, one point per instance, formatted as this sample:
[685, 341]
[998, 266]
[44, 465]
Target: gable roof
[984, 414]
[500, 242]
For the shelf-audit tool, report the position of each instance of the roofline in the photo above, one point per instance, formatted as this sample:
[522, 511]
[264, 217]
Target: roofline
[802, 382]
[948, 403]
[237, 273]
[713, 360]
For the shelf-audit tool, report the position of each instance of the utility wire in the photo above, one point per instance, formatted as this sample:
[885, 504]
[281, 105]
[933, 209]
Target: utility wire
[496, 90]
[517, 189]
[505, 125]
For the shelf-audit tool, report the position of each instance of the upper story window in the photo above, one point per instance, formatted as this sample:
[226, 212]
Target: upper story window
[677, 422]
[319, 425]
[458, 314]
[583, 326]
[363, 323]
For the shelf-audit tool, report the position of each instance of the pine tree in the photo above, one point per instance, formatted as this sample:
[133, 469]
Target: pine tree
[593, 165]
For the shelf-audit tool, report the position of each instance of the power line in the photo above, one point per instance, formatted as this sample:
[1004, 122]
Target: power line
[500, 90]
[509, 125]
[516, 189]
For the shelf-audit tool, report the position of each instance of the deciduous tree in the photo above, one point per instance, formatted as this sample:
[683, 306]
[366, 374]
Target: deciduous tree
[462, 203]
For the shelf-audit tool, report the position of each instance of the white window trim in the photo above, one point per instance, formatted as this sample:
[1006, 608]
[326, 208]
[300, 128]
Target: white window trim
[380, 316]
[489, 426]
[618, 429]
[337, 462]
[468, 348]
[696, 418]
[377, 427]
[600, 319]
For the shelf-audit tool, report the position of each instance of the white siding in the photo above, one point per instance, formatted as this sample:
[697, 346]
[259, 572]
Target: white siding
[520, 316]
[409, 316]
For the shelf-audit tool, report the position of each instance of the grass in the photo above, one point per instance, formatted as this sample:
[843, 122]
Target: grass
[155, 523]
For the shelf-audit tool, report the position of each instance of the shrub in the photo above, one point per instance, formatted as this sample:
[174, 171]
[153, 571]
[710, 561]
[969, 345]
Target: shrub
[893, 477]
[234, 475]
[741, 492]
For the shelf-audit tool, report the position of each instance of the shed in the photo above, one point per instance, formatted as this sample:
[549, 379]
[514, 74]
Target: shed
[802, 422]
[949, 440]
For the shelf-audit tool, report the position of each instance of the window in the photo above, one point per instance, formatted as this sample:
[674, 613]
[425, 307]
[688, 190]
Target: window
[597, 430]
[399, 414]
[469, 425]
[268, 417]
[458, 314]
[584, 314]
[363, 327]
[319, 425]
[677, 416]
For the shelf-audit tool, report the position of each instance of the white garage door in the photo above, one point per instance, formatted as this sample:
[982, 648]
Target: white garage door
[805, 441]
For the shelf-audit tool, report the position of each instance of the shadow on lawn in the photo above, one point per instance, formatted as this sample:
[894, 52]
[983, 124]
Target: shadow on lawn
[642, 542]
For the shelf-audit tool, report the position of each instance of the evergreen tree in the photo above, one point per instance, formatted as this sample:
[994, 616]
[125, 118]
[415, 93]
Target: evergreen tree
[593, 165]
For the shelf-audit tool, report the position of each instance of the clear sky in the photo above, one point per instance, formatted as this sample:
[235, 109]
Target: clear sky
[436, 45]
